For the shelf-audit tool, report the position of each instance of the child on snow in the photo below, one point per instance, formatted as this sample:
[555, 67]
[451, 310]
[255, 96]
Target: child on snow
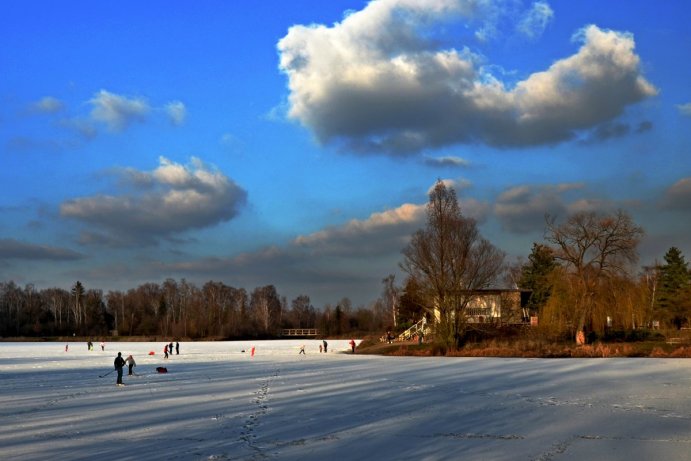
[130, 363]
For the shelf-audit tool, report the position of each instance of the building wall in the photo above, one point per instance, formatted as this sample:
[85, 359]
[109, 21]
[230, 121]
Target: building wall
[492, 306]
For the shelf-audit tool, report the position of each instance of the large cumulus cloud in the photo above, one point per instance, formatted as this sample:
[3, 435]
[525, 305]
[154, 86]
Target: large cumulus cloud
[378, 81]
[162, 203]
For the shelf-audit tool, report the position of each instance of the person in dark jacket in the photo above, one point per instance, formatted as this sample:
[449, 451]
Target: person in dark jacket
[119, 363]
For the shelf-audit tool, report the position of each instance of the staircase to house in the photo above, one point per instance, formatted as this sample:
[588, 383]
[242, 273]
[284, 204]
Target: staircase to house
[415, 330]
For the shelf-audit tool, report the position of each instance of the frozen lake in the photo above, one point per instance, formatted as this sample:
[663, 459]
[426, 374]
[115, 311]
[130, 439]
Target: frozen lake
[219, 403]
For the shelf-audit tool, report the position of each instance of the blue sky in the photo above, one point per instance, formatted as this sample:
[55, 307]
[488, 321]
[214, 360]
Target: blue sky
[294, 143]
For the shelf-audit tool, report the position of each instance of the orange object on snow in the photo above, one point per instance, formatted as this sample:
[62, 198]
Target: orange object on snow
[152, 353]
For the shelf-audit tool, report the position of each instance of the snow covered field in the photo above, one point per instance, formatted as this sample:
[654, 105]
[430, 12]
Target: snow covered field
[217, 403]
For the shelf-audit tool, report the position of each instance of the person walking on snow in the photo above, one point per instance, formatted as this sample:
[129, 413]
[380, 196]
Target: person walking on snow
[103, 346]
[165, 351]
[119, 363]
[302, 350]
[326, 345]
[130, 363]
[352, 345]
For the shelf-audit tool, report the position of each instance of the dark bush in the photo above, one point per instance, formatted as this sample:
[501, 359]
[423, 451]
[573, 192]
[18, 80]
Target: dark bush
[630, 336]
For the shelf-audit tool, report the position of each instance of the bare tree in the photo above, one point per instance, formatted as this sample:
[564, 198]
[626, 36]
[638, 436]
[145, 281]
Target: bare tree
[57, 301]
[303, 312]
[449, 261]
[266, 307]
[593, 247]
[391, 297]
[77, 293]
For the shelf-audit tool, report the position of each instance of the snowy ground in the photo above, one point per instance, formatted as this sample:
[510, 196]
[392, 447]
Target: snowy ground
[218, 403]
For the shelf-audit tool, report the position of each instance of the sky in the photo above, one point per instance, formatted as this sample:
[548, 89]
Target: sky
[217, 403]
[295, 143]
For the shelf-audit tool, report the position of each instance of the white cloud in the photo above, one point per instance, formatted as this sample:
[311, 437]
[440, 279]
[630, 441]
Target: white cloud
[456, 184]
[377, 82]
[116, 111]
[446, 161]
[535, 21]
[380, 232]
[170, 200]
[383, 232]
[177, 112]
[48, 105]
[685, 109]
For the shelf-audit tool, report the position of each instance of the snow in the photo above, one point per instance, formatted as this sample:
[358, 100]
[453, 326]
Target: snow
[219, 403]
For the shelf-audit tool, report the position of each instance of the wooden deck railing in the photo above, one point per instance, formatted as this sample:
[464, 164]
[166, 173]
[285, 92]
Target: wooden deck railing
[300, 332]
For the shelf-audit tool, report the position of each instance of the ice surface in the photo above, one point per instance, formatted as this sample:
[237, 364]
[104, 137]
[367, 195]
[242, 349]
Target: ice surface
[219, 403]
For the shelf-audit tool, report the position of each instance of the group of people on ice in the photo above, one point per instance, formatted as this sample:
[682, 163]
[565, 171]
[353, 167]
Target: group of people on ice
[324, 347]
[168, 349]
[119, 363]
[90, 346]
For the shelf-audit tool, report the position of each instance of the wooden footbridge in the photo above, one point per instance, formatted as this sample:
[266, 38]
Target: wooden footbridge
[300, 332]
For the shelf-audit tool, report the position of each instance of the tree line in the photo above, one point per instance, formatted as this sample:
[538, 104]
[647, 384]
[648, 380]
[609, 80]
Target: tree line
[174, 309]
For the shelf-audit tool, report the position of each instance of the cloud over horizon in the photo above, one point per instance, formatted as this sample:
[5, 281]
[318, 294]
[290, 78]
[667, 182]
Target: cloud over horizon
[522, 209]
[336, 259]
[15, 249]
[678, 195]
[168, 201]
[378, 82]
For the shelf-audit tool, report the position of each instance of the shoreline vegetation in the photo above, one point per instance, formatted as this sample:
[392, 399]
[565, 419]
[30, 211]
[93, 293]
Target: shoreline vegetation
[531, 349]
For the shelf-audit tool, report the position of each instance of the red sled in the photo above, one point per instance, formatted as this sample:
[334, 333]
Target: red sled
[152, 353]
[162, 369]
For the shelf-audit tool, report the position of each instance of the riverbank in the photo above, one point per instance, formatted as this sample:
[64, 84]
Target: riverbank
[529, 349]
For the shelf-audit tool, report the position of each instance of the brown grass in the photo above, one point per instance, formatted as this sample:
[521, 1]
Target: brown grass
[530, 348]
